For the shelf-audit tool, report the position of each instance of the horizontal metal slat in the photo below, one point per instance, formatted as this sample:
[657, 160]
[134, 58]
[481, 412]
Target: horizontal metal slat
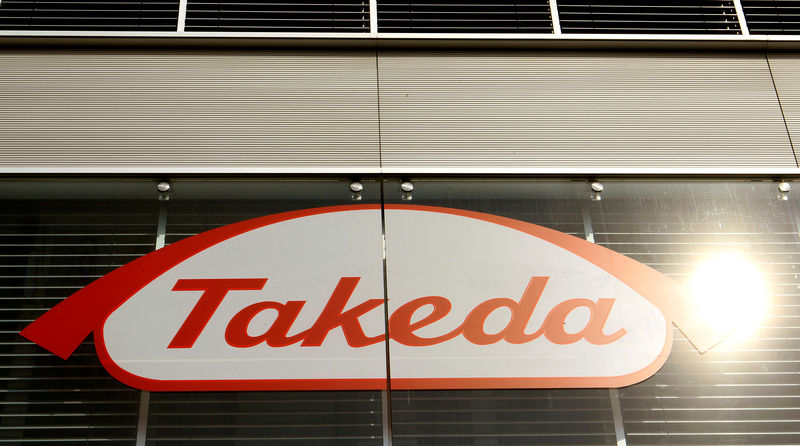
[464, 16]
[645, 17]
[772, 16]
[263, 16]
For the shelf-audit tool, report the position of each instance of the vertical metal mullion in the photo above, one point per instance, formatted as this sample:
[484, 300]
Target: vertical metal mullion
[182, 4]
[387, 434]
[141, 427]
[386, 395]
[555, 17]
[144, 396]
[616, 412]
[742, 19]
[373, 16]
[613, 394]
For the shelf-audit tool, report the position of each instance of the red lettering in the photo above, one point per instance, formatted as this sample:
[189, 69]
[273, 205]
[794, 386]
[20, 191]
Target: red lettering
[276, 336]
[402, 330]
[401, 327]
[214, 290]
[593, 332]
[514, 332]
[521, 315]
[333, 316]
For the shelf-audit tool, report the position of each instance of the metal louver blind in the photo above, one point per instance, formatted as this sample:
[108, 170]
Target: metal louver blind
[772, 16]
[281, 418]
[56, 238]
[745, 392]
[649, 17]
[265, 16]
[473, 16]
[89, 15]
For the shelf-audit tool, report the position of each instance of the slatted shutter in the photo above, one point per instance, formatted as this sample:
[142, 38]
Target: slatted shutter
[294, 16]
[649, 17]
[744, 392]
[57, 237]
[89, 15]
[772, 16]
[471, 16]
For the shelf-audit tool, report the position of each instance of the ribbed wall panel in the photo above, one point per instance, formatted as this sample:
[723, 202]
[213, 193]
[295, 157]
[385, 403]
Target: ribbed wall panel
[784, 71]
[183, 109]
[579, 110]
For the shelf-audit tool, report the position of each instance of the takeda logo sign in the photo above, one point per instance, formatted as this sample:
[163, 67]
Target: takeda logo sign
[296, 301]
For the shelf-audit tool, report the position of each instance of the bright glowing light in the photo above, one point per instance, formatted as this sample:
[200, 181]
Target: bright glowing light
[731, 294]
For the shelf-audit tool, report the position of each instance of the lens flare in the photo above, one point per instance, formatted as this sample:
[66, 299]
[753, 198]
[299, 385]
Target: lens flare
[731, 295]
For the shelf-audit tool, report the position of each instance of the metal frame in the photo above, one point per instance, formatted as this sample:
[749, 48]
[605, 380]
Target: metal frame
[374, 33]
[373, 17]
[373, 39]
[144, 396]
[182, 5]
[574, 171]
[386, 431]
[742, 19]
[613, 394]
[410, 36]
[555, 17]
[616, 413]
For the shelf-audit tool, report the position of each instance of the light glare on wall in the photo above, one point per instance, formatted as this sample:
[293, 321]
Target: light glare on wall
[731, 295]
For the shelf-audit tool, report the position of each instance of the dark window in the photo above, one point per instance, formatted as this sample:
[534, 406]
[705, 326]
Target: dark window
[262, 16]
[94, 15]
[649, 17]
[470, 16]
[772, 16]
[56, 238]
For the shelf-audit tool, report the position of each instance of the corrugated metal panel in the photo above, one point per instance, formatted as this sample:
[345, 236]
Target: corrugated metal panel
[182, 109]
[265, 16]
[772, 16]
[784, 72]
[688, 17]
[579, 110]
[464, 16]
[56, 237]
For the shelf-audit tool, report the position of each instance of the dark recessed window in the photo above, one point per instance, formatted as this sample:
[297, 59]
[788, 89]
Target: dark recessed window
[649, 17]
[262, 16]
[772, 16]
[469, 16]
[94, 15]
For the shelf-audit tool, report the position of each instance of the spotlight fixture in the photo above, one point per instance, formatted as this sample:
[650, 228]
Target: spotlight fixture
[407, 187]
[164, 186]
[597, 189]
[355, 188]
[783, 190]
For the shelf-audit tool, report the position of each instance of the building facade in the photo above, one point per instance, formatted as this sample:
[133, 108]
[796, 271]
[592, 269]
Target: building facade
[685, 113]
